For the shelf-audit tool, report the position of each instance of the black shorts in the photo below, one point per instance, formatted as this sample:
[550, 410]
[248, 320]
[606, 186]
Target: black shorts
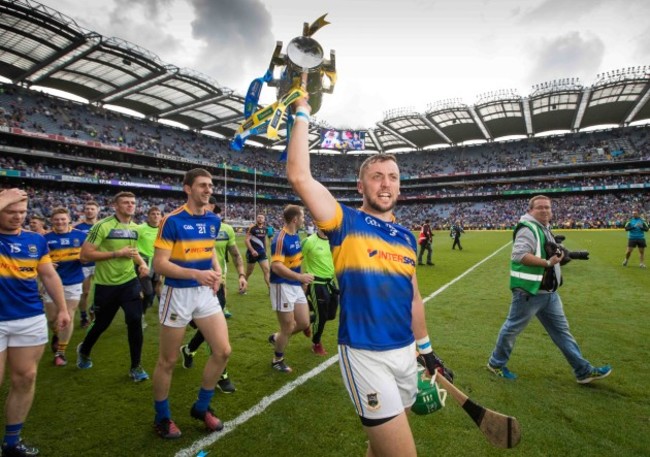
[636, 243]
[259, 258]
[221, 295]
[323, 297]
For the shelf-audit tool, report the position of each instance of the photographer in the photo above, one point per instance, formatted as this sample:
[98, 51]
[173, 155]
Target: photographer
[535, 276]
[456, 231]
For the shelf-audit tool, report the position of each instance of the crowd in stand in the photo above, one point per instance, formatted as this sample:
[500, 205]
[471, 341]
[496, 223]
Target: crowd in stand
[37, 112]
[606, 210]
[234, 189]
[575, 211]
[497, 185]
[43, 113]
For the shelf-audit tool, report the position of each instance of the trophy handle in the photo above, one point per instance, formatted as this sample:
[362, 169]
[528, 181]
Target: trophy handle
[329, 70]
[277, 58]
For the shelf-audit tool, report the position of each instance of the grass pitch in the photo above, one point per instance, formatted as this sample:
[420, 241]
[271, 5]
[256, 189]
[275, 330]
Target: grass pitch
[100, 412]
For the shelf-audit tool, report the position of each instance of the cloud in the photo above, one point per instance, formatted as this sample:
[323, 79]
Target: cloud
[642, 46]
[556, 11]
[236, 38]
[568, 55]
[144, 23]
[153, 9]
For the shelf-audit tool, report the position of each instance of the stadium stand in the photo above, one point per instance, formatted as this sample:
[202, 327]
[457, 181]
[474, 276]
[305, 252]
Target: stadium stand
[66, 151]
[444, 185]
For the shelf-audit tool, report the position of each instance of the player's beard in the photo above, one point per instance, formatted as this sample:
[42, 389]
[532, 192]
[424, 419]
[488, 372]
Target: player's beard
[376, 206]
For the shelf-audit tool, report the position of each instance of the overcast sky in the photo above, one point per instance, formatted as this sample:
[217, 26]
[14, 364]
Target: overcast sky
[389, 54]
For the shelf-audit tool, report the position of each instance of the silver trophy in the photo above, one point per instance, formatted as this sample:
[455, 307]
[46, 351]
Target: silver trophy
[305, 54]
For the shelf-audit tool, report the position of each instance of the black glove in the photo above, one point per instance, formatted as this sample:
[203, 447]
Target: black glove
[433, 363]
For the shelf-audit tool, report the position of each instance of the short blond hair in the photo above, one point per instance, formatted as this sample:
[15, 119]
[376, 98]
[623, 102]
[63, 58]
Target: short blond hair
[123, 195]
[60, 210]
[374, 159]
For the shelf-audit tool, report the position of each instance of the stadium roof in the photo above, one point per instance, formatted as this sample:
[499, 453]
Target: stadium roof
[40, 46]
[619, 97]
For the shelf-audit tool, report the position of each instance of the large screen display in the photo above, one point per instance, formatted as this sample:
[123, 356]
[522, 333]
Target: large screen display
[342, 140]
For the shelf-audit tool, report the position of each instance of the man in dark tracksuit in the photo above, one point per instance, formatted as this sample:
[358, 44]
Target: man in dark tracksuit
[456, 230]
[322, 293]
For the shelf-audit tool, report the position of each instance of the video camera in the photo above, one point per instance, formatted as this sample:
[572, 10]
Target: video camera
[557, 248]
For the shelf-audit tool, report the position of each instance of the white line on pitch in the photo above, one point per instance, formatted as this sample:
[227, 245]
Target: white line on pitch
[255, 410]
[265, 402]
[462, 275]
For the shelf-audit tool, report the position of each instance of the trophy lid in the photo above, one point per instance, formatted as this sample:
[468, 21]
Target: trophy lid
[305, 52]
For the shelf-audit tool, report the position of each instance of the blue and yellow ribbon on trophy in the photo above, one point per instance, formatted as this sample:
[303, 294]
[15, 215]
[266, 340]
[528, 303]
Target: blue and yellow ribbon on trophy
[304, 55]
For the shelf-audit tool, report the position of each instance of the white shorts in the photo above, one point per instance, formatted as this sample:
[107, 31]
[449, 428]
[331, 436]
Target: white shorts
[179, 305]
[71, 292]
[22, 333]
[381, 384]
[284, 297]
[88, 271]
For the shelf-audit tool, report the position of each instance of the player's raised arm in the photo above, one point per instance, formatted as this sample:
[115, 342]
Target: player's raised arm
[315, 196]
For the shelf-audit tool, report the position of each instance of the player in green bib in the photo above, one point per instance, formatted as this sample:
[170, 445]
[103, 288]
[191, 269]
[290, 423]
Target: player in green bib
[111, 244]
[147, 232]
[225, 244]
[322, 293]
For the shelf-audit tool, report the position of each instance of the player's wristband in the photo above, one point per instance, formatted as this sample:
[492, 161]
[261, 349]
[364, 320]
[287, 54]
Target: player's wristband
[302, 109]
[424, 345]
[242, 275]
[303, 117]
[114, 254]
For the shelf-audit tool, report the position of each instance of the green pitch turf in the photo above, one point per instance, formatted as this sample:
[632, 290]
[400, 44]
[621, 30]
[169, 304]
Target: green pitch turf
[101, 412]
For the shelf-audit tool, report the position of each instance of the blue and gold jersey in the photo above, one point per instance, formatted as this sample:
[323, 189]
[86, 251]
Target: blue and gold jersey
[285, 248]
[85, 227]
[190, 239]
[375, 263]
[64, 251]
[20, 256]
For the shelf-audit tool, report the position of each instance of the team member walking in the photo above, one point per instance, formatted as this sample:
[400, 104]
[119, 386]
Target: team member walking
[287, 297]
[535, 277]
[147, 232]
[185, 256]
[64, 244]
[382, 313]
[322, 293]
[91, 211]
[23, 326]
[111, 244]
[636, 228]
[225, 246]
[256, 248]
